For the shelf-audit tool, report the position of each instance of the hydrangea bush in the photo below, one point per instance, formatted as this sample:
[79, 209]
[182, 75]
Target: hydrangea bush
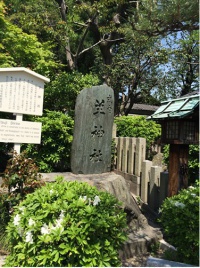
[66, 224]
[180, 221]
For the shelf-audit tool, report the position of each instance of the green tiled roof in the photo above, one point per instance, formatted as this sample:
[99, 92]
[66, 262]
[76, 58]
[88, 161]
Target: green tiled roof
[177, 108]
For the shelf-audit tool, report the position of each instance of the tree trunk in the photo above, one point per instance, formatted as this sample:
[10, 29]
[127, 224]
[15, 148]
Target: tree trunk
[189, 78]
[63, 11]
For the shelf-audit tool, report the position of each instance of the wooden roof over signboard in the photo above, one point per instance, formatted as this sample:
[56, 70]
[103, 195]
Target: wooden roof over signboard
[24, 70]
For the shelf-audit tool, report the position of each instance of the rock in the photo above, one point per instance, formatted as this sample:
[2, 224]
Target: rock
[110, 182]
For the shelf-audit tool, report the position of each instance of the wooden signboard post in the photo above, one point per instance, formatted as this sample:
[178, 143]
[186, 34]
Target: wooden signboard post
[21, 92]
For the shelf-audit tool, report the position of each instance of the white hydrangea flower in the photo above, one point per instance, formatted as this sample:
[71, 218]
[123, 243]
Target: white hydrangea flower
[62, 215]
[14, 188]
[22, 209]
[59, 221]
[178, 204]
[16, 220]
[20, 231]
[192, 194]
[58, 224]
[96, 200]
[89, 201]
[191, 187]
[31, 222]
[58, 227]
[84, 198]
[45, 229]
[51, 192]
[29, 237]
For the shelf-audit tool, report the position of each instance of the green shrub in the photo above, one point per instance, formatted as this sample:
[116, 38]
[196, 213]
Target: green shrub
[53, 154]
[19, 178]
[4, 213]
[180, 221]
[193, 163]
[66, 224]
[4, 219]
[138, 126]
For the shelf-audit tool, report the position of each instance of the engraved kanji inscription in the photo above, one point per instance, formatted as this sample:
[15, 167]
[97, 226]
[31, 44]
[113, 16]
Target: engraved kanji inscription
[109, 103]
[98, 131]
[99, 107]
[96, 156]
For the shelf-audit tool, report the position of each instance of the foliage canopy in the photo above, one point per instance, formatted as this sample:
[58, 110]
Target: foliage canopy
[125, 43]
[147, 51]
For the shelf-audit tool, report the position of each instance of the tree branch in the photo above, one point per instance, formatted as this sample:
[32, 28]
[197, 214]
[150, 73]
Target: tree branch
[87, 49]
[78, 53]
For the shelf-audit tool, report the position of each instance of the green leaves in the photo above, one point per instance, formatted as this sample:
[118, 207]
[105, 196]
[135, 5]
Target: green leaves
[64, 90]
[53, 154]
[180, 220]
[25, 50]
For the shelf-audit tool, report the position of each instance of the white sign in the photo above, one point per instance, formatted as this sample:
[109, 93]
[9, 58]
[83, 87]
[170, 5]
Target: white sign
[12, 131]
[21, 91]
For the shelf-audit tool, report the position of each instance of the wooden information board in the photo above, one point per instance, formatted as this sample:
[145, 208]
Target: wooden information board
[21, 91]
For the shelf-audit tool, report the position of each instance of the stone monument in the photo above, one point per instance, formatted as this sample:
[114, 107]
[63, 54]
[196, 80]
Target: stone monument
[94, 115]
[91, 163]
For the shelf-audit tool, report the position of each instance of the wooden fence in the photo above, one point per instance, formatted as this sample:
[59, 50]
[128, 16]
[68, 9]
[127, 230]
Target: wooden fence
[146, 181]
